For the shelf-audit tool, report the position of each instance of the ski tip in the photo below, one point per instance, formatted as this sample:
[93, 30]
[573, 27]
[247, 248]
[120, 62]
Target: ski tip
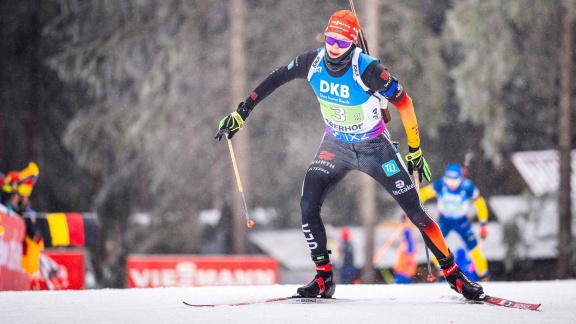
[507, 302]
[198, 305]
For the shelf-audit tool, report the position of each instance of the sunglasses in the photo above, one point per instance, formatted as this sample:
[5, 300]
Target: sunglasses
[341, 43]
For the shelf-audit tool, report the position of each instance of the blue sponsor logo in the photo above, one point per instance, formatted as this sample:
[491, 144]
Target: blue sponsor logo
[291, 65]
[390, 168]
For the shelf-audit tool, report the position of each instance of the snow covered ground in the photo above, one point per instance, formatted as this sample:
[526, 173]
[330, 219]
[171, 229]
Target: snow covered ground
[417, 303]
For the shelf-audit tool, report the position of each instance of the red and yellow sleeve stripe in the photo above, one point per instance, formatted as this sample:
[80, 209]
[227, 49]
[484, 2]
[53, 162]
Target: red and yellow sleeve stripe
[406, 110]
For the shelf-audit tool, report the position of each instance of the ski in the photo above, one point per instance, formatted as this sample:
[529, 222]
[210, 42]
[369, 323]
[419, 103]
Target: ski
[271, 300]
[285, 300]
[289, 300]
[496, 301]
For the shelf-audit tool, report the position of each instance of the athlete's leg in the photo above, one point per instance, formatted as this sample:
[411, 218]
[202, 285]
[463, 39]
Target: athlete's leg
[327, 169]
[445, 228]
[402, 279]
[480, 263]
[445, 225]
[380, 159]
[464, 229]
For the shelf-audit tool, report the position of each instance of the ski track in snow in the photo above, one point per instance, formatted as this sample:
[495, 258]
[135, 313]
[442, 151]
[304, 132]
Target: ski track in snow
[416, 303]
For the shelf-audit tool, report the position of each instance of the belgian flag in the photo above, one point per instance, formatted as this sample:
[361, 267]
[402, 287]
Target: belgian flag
[68, 229]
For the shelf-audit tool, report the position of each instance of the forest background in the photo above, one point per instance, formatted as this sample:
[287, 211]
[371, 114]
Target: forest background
[118, 103]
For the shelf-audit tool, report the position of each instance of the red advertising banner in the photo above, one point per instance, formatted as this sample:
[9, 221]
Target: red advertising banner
[189, 271]
[12, 276]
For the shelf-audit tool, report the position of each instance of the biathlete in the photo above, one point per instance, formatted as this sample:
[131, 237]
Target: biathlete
[455, 197]
[349, 86]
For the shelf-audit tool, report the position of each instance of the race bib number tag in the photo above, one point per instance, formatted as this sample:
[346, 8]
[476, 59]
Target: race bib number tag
[342, 116]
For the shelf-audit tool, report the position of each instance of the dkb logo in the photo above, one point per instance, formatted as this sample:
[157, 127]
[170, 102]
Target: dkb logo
[335, 89]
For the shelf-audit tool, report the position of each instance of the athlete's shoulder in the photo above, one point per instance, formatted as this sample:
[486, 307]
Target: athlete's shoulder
[364, 59]
[303, 61]
[437, 185]
[310, 55]
[467, 183]
[469, 187]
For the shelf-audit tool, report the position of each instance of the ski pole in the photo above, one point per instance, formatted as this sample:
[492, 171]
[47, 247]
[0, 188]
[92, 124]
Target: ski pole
[249, 222]
[416, 177]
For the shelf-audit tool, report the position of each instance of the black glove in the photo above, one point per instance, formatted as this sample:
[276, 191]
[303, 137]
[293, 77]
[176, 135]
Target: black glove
[416, 160]
[233, 122]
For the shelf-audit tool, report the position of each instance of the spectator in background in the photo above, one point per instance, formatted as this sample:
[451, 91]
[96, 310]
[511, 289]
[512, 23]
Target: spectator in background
[405, 267]
[10, 197]
[349, 271]
[36, 263]
[27, 181]
[16, 190]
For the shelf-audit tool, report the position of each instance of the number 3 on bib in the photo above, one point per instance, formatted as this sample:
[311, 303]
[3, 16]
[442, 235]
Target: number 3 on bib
[339, 114]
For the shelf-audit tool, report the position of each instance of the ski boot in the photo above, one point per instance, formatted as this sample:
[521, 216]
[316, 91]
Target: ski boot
[323, 284]
[458, 281]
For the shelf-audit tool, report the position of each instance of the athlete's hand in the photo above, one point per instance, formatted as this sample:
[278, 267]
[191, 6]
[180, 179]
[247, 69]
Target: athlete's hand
[483, 230]
[232, 123]
[416, 160]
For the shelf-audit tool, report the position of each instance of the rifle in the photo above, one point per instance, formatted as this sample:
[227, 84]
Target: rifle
[364, 47]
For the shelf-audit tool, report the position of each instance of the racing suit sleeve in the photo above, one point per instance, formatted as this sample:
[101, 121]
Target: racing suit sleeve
[481, 209]
[427, 192]
[297, 69]
[479, 204]
[377, 78]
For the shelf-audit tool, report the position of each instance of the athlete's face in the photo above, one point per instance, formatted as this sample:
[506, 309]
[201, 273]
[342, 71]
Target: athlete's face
[452, 183]
[337, 44]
